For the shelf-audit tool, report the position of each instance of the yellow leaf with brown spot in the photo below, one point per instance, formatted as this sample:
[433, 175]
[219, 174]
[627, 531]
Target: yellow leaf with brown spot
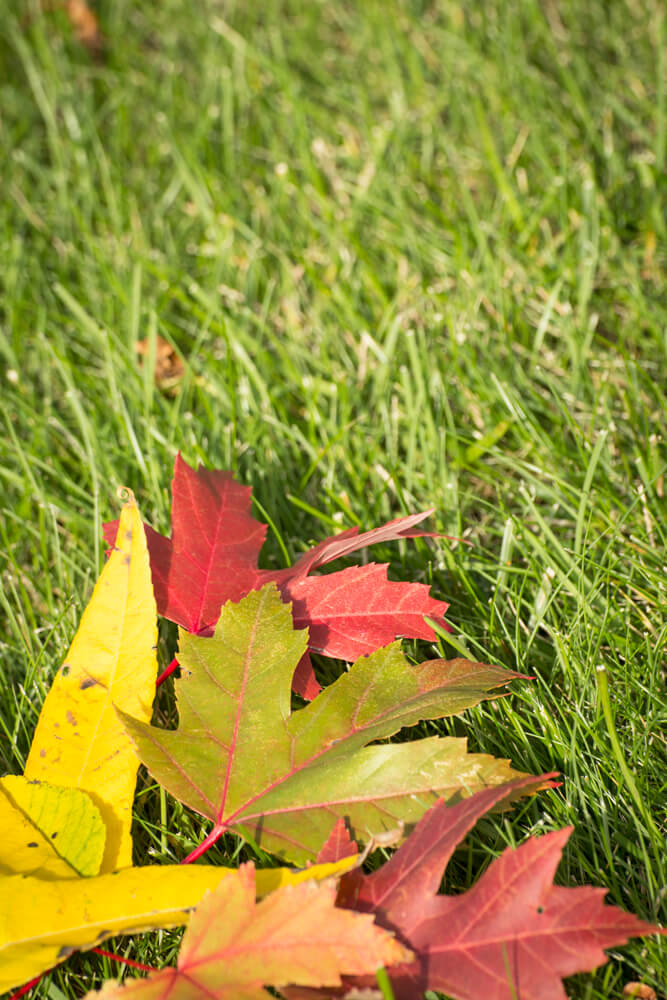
[79, 741]
[42, 923]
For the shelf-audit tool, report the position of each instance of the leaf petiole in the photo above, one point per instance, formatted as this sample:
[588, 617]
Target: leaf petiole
[206, 843]
[167, 672]
[125, 961]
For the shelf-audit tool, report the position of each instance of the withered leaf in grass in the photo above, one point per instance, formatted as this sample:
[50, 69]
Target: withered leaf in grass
[280, 778]
[86, 26]
[235, 946]
[168, 366]
[212, 555]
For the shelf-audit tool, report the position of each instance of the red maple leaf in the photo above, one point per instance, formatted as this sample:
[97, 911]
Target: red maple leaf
[514, 934]
[212, 556]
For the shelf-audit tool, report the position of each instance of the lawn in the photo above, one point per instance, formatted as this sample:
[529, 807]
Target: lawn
[411, 255]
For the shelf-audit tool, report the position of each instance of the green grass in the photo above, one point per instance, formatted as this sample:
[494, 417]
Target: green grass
[411, 255]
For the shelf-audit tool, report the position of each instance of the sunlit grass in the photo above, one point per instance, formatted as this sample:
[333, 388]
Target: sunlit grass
[411, 256]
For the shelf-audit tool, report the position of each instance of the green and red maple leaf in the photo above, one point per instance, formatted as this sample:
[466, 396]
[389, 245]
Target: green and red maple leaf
[245, 760]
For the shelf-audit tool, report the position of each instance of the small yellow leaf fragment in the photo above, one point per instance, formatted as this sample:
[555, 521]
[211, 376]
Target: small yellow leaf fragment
[79, 741]
[48, 832]
[270, 879]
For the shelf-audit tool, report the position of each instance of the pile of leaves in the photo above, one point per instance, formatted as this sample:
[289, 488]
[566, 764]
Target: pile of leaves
[311, 785]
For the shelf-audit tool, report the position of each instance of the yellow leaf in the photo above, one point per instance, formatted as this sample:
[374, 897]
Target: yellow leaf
[42, 923]
[48, 832]
[79, 741]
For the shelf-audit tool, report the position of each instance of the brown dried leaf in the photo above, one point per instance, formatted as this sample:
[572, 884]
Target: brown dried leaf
[169, 367]
[640, 990]
[86, 26]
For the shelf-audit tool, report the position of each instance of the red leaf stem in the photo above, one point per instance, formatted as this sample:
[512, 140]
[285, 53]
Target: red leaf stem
[26, 987]
[167, 672]
[206, 843]
[125, 961]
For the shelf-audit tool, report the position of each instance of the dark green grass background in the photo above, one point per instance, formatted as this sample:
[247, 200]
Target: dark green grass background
[411, 254]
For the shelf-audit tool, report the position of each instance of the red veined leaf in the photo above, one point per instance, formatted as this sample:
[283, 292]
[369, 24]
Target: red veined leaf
[513, 934]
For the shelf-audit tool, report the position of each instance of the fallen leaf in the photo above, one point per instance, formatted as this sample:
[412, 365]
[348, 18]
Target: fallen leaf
[234, 946]
[211, 558]
[242, 758]
[168, 366]
[49, 832]
[43, 922]
[79, 741]
[513, 934]
[640, 990]
[86, 26]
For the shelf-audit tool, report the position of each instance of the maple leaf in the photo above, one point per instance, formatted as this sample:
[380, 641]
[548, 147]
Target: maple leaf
[513, 934]
[212, 555]
[242, 758]
[234, 946]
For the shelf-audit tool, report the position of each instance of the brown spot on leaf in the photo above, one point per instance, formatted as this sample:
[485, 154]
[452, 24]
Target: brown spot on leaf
[70, 718]
[66, 951]
[54, 835]
[33, 843]
[42, 752]
[87, 682]
[66, 669]
[128, 559]
[103, 934]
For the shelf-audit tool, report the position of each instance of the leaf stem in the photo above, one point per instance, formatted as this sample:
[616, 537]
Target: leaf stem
[207, 842]
[26, 987]
[125, 961]
[167, 672]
